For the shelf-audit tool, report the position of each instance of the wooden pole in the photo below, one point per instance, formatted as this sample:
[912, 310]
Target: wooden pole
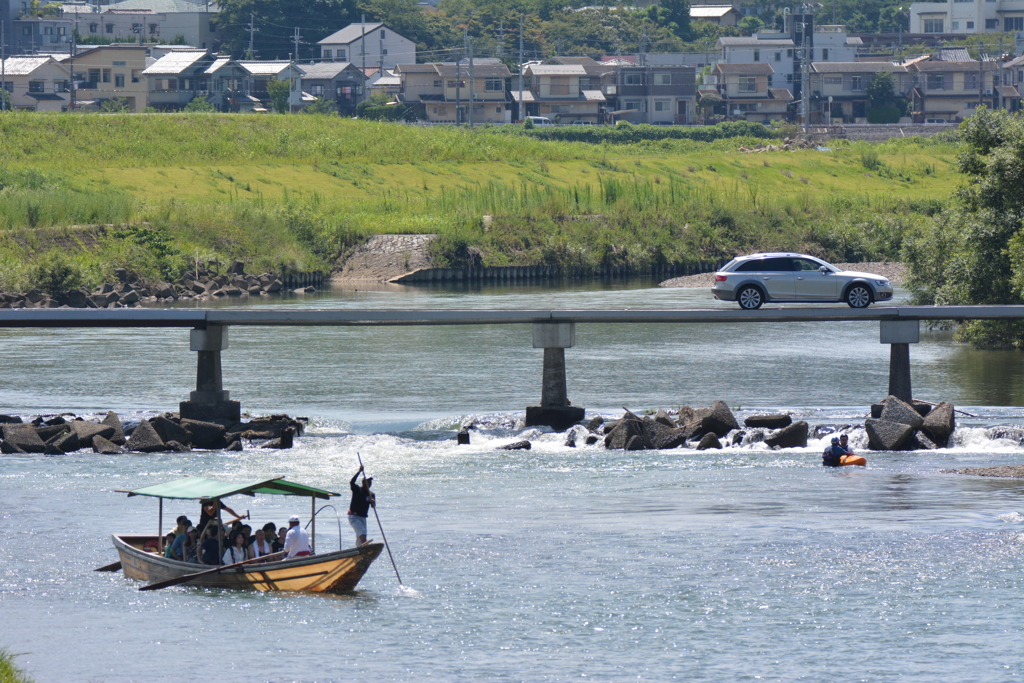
[160, 527]
[312, 512]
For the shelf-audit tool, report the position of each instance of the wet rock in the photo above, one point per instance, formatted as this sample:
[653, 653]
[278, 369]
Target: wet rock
[824, 430]
[570, 440]
[1011, 433]
[462, 438]
[11, 448]
[793, 436]
[594, 423]
[659, 436]
[919, 441]
[591, 439]
[51, 449]
[105, 446]
[717, 419]
[516, 446]
[624, 430]
[686, 414]
[177, 447]
[776, 421]
[235, 445]
[274, 287]
[884, 435]
[737, 437]
[895, 410]
[24, 437]
[10, 420]
[940, 423]
[208, 435]
[144, 439]
[112, 420]
[664, 418]
[68, 443]
[58, 420]
[47, 432]
[87, 430]
[130, 297]
[709, 440]
[170, 431]
[286, 440]
[635, 443]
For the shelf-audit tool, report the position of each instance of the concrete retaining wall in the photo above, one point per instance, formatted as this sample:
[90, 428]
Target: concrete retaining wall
[543, 273]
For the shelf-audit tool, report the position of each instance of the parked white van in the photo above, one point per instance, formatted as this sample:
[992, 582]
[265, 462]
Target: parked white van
[540, 120]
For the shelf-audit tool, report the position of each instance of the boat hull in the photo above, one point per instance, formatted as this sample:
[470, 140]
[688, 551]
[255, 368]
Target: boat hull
[335, 572]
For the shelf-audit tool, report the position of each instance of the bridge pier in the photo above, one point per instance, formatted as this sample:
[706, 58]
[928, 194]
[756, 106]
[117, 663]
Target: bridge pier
[899, 335]
[209, 401]
[554, 410]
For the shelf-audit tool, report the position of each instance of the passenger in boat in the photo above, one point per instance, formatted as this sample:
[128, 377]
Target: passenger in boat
[183, 525]
[270, 532]
[836, 455]
[210, 543]
[168, 542]
[176, 551]
[235, 552]
[844, 441]
[296, 542]
[192, 545]
[359, 507]
[282, 534]
[259, 547]
[209, 511]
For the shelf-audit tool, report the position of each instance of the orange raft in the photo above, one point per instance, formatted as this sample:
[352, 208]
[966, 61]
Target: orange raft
[852, 460]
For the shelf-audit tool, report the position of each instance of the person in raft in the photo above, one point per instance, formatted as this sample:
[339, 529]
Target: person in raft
[844, 441]
[296, 542]
[209, 511]
[837, 456]
[358, 509]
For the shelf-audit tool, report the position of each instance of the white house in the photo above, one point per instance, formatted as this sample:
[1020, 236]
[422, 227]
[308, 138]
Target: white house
[782, 51]
[370, 44]
[37, 83]
[150, 20]
[972, 16]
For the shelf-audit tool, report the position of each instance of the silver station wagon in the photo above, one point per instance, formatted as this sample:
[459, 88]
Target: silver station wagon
[758, 278]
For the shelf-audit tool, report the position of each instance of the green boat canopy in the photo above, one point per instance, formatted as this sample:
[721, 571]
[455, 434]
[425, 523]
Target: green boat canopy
[197, 488]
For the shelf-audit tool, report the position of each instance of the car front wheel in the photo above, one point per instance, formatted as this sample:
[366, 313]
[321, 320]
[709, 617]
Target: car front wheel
[858, 296]
[750, 298]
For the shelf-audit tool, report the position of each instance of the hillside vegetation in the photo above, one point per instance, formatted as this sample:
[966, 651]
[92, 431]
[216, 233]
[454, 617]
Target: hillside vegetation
[297, 192]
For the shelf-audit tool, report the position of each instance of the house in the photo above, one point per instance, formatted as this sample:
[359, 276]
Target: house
[369, 44]
[386, 83]
[967, 16]
[946, 86]
[655, 94]
[340, 83]
[444, 92]
[1012, 80]
[149, 21]
[259, 73]
[33, 35]
[845, 85]
[107, 72]
[747, 92]
[556, 91]
[723, 15]
[177, 78]
[37, 83]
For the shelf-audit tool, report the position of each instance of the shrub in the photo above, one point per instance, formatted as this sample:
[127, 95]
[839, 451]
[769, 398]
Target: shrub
[884, 115]
[55, 274]
[200, 105]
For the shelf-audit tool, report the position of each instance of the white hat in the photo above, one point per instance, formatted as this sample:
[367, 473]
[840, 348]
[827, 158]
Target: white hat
[293, 518]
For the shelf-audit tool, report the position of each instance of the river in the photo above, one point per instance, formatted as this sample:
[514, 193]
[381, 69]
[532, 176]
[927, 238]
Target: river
[546, 565]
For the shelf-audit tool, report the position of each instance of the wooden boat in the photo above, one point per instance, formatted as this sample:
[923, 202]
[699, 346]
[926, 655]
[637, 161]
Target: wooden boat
[333, 572]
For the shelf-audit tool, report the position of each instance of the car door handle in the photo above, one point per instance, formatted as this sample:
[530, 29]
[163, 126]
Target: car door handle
[799, 278]
[767, 278]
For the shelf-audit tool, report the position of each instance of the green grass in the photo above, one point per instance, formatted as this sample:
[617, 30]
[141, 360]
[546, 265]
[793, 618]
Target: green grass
[298, 192]
[9, 673]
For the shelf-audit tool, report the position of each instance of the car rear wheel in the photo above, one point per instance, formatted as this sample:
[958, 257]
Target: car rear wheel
[858, 296]
[750, 298]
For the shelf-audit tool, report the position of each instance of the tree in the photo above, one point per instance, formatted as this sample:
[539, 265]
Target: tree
[115, 105]
[974, 254]
[750, 24]
[279, 91]
[708, 103]
[274, 19]
[881, 90]
[199, 105]
[321, 106]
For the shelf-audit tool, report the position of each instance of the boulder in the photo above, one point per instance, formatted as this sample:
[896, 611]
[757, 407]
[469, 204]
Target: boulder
[592, 439]
[207, 435]
[570, 440]
[68, 443]
[717, 419]
[10, 420]
[1011, 433]
[919, 441]
[592, 426]
[235, 445]
[462, 438]
[686, 414]
[895, 410]
[145, 439]
[58, 420]
[231, 290]
[709, 440]
[130, 297]
[104, 446]
[737, 438]
[111, 420]
[10, 448]
[286, 440]
[268, 427]
[24, 437]
[659, 436]
[170, 431]
[622, 432]
[884, 435]
[51, 449]
[777, 421]
[940, 423]
[177, 447]
[663, 417]
[635, 443]
[273, 287]
[791, 436]
[47, 432]
[87, 430]
[236, 268]
[516, 446]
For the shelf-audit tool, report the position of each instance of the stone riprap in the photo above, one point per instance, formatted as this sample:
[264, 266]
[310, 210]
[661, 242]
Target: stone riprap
[165, 433]
[384, 257]
[896, 425]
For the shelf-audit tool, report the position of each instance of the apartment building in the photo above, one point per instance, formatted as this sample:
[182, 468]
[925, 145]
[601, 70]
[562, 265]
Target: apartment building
[108, 72]
[444, 92]
[369, 44]
[967, 16]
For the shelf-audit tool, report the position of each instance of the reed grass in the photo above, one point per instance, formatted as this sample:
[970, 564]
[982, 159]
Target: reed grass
[9, 673]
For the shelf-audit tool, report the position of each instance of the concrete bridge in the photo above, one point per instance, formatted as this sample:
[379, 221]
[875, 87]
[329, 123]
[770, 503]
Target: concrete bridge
[553, 330]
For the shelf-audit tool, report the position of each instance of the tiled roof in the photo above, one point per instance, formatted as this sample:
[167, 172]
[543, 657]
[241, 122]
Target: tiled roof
[479, 71]
[754, 42]
[953, 54]
[703, 11]
[557, 70]
[266, 68]
[582, 61]
[749, 69]
[217, 64]
[416, 68]
[159, 6]
[351, 33]
[857, 67]
[949, 67]
[780, 94]
[593, 95]
[175, 62]
[323, 70]
[23, 66]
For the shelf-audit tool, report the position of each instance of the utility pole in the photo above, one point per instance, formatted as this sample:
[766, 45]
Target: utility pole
[558, 46]
[74, 46]
[472, 92]
[981, 73]
[999, 78]
[296, 40]
[3, 67]
[458, 89]
[522, 105]
[252, 34]
[362, 50]
[501, 39]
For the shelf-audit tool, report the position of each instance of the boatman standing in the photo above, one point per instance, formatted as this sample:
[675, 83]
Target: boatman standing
[296, 543]
[359, 508]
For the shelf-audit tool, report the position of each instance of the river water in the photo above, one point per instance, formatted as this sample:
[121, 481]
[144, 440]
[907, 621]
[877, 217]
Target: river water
[546, 565]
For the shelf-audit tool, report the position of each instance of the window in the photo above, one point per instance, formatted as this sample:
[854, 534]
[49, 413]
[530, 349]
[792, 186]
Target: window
[384, 51]
[60, 86]
[748, 84]
[632, 79]
[991, 24]
[120, 64]
[494, 85]
[94, 78]
[789, 78]
[118, 80]
[451, 84]
[152, 29]
[970, 25]
[317, 90]
[935, 81]
[662, 79]
[61, 31]
[832, 80]
[382, 36]
[327, 54]
[106, 75]
[789, 53]
[778, 56]
[213, 27]
[36, 86]
[94, 27]
[824, 54]
[1013, 24]
[757, 55]
[497, 110]
[662, 105]
[633, 104]
[752, 106]
[956, 24]
[805, 265]
[110, 28]
[341, 55]
[769, 265]
[970, 81]
[47, 30]
[856, 83]
[935, 25]
[438, 84]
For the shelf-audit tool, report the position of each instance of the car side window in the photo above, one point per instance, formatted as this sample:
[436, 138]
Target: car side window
[803, 264]
[751, 266]
[777, 265]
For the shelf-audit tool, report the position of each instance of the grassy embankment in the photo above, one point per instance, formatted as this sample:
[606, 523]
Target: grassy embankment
[294, 192]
